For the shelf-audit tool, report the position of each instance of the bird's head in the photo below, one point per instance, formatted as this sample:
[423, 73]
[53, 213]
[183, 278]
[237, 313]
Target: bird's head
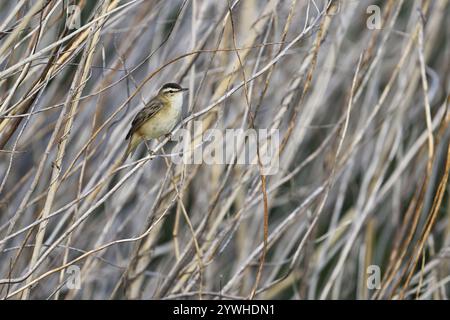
[171, 90]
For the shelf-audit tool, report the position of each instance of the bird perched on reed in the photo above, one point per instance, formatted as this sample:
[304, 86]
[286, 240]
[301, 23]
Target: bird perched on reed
[158, 117]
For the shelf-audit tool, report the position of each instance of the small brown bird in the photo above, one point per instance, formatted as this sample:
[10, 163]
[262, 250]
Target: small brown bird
[157, 118]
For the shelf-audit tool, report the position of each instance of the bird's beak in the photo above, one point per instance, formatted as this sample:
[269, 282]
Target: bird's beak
[184, 89]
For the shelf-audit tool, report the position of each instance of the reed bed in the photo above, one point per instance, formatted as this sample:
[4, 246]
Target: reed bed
[358, 207]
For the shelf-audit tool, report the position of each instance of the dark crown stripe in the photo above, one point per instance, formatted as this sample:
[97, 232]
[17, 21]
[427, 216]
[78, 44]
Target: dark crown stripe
[171, 86]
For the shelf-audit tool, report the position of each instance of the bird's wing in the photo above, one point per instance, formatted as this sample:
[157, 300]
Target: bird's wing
[142, 116]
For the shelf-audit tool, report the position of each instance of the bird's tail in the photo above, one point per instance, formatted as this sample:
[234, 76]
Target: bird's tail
[132, 145]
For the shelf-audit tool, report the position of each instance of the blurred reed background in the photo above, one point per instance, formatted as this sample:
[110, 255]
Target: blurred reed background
[364, 131]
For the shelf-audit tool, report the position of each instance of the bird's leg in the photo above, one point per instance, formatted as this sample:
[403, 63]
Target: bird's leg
[150, 151]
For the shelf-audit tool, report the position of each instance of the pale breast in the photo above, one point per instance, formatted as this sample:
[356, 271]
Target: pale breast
[162, 123]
